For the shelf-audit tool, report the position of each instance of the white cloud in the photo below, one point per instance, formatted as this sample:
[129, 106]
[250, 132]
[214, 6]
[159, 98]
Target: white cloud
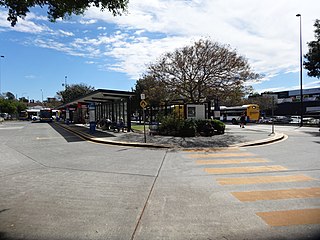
[51, 44]
[91, 21]
[31, 76]
[65, 33]
[266, 32]
[313, 84]
[23, 25]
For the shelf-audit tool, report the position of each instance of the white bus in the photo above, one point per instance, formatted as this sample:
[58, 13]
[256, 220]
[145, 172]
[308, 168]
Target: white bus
[233, 114]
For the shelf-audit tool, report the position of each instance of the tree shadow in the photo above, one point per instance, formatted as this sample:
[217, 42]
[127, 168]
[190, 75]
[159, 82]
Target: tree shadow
[314, 134]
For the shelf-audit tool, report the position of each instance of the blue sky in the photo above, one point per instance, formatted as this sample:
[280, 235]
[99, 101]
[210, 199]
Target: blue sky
[112, 52]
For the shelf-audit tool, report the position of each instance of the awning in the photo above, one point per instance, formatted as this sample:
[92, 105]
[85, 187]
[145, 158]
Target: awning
[100, 96]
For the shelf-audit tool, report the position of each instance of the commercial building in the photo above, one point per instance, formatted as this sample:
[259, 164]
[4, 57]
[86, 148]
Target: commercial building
[288, 102]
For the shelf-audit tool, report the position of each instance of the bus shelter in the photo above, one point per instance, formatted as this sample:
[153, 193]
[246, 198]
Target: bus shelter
[101, 104]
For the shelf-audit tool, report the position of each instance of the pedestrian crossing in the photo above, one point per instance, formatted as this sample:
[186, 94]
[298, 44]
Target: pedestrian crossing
[291, 217]
[255, 169]
[277, 194]
[263, 179]
[243, 163]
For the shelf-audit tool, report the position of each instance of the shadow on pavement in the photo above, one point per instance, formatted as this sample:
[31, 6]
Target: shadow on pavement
[68, 136]
[314, 134]
[72, 136]
[96, 134]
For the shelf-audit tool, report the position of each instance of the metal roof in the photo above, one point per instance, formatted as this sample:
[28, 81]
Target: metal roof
[100, 96]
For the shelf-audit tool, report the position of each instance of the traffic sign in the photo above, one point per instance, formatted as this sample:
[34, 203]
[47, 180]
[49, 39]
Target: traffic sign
[143, 103]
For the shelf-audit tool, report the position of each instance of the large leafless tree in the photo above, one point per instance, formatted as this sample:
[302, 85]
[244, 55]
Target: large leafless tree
[201, 72]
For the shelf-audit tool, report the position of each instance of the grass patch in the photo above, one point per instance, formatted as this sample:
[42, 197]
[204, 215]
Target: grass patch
[139, 127]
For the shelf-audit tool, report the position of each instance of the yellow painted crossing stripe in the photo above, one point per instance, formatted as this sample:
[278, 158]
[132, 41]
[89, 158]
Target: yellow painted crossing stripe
[277, 194]
[291, 217]
[211, 150]
[245, 169]
[231, 161]
[221, 155]
[263, 179]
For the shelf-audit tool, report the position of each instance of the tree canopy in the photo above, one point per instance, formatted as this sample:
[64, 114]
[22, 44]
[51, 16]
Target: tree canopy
[10, 96]
[11, 106]
[74, 91]
[60, 9]
[197, 73]
[312, 58]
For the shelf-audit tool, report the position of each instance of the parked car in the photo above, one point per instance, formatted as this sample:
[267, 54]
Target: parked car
[295, 119]
[265, 120]
[282, 119]
[305, 120]
[5, 116]
[310, 120]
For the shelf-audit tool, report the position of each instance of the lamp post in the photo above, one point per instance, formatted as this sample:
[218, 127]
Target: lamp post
[0, 73]
[41, 96]
[65, 83]
[301, 93]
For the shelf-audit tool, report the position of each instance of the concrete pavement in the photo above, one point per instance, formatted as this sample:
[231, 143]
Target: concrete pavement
[234, 136]
[56, 186]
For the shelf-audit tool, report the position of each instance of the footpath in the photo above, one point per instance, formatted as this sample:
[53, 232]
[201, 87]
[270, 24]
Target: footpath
[234, 137]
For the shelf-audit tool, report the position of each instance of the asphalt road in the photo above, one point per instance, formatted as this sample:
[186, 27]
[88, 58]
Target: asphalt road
[55, 185]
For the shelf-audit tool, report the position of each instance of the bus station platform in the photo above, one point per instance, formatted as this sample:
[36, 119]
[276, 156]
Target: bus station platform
[234, 136]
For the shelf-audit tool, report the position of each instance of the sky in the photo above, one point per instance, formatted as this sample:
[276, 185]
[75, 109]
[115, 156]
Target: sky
[108, 52]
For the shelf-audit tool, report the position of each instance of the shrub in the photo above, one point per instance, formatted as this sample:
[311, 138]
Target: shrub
[169, 125]
[218, 126]
[172, 126]
[210, 127]
[187, 128]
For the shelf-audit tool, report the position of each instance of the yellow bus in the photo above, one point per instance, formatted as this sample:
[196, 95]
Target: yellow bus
[233, 114]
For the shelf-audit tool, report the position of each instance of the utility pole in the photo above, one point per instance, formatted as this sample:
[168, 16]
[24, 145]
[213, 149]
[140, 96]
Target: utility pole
[301, 91]
[65, 82]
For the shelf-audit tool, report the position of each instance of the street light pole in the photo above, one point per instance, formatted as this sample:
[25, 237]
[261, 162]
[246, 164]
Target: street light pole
[0, 73]
[41, 96]
[65, 82]
[301, 92]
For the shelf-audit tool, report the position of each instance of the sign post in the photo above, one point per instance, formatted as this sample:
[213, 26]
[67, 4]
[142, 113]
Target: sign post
[274, 98]
[143, 104]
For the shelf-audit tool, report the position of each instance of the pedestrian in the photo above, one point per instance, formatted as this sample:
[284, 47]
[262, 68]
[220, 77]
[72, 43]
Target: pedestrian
[242, 120]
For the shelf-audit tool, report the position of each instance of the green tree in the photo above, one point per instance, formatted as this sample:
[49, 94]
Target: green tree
[20, 106]
[11, 106]
[264, 100]
[10, 96]
[201, 72]
[23, 99]
[312, 62]
[236, 97]
[7, 106]
[60, 9]
[74, 91]
[155, 91]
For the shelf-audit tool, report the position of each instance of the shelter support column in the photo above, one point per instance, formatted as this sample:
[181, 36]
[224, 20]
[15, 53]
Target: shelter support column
[129, 113]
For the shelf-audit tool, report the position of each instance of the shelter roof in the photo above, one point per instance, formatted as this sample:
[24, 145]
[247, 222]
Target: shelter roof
[100, 96]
